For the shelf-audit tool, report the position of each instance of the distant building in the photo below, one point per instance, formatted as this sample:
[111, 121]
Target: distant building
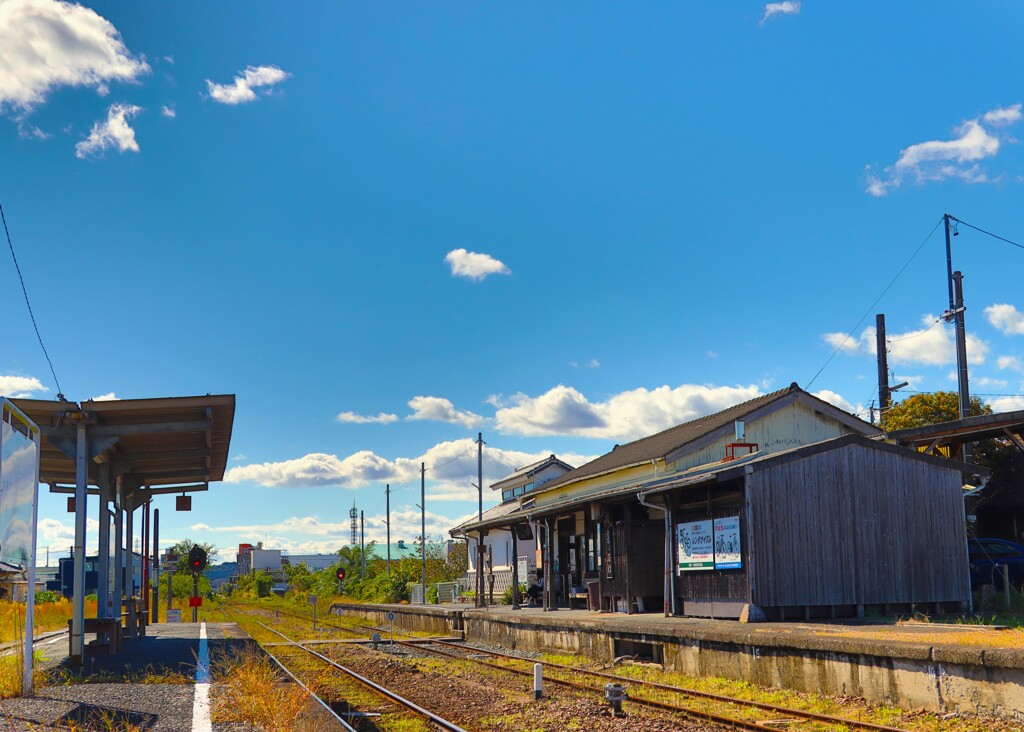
[498, 543]
[252, 559]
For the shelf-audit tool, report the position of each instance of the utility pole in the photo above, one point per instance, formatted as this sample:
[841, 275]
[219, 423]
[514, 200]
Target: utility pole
[362, 545]
[956, 314]
[387, 510]
[480, 517]
[884, 395]
[423, 529]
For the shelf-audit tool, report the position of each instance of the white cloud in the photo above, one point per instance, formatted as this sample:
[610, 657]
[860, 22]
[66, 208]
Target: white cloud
[474, 266]
[563, 410]
[311, 535]
[240, 91]
[1014, 363]
[439, 409]
[114, 132]
[835, 399]
[789, 7]
[49, 44]
[989, 383]
[1002, 116]
[451, 468]
[20, 387]
[931, 345]
[353, 418]
[1006, 318]
[108, 397]
[1007, 404]
[168, 112]
[939, 160]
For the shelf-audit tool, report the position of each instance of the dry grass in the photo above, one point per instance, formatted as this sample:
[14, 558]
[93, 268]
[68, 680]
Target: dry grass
[249, 689]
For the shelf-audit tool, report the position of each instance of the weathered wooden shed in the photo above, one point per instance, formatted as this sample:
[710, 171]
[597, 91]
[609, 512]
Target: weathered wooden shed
[835, 528]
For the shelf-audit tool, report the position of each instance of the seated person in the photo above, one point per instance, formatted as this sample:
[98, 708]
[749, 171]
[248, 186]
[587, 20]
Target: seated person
[535, 591]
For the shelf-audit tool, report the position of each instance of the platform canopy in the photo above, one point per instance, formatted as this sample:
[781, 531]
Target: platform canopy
[955, 434]
[169, 445]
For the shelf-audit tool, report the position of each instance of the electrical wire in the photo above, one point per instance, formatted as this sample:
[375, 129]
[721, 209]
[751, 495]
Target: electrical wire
[24, 290]
[989, 233]
[915, 335]
[872, 306]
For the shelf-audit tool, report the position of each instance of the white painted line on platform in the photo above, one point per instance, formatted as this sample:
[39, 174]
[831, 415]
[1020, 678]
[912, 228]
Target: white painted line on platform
[201, 702]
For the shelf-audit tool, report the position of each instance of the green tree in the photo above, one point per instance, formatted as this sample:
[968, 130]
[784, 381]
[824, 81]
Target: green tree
[183, 547]
[921, 410]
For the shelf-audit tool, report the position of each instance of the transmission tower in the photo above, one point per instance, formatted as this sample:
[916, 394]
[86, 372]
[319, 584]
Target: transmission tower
[353, 514]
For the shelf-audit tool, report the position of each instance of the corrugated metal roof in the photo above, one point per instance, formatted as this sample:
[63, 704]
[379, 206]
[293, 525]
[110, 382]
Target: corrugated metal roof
[160, 442]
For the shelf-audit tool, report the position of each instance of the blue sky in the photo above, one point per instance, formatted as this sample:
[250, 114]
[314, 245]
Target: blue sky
[388, 226]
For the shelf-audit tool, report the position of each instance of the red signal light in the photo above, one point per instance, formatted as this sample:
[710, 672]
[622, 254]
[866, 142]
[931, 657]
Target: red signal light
[341, 573]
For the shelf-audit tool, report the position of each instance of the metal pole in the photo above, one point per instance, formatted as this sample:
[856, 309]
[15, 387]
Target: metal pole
[156, 565]
[387, 509]
[195, 593]
[118, 547]
[362, 545]
[129, 545]
[423, 527]
[949, 261]
[145, 557]
[480, 474]
[103, 600]
[78, 591]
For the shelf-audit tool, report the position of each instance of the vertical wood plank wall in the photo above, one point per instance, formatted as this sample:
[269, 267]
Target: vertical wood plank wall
[857, 526]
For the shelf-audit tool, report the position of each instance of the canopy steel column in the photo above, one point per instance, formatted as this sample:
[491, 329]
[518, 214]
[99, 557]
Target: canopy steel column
[129, 547]
[78, 584]
[118, 547]
[103, 590]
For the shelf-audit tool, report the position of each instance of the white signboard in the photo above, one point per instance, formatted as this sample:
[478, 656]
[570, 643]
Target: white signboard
[523, 569]
[695, 546]
[727, 543]
[174, 615]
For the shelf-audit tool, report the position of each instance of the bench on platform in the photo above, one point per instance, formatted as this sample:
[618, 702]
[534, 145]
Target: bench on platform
[578, 594]
[108, 636]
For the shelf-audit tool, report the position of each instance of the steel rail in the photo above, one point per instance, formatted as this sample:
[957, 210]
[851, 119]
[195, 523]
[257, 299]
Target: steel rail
[689, 711]
[426, 713]
[345, 725]
[813, 716]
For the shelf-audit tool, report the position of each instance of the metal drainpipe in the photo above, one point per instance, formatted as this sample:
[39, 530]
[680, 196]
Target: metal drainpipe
[669, 586]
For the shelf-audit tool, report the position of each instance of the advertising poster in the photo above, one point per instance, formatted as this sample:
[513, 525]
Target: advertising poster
[17, 496]
[695, 547]
[727, 543]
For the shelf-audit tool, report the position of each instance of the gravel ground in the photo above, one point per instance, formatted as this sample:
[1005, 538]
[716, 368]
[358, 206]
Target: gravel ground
[477, 702]
[157, 707]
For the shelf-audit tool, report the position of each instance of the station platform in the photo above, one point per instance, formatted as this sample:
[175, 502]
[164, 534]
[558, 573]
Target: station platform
[154, 683]
[942, 667]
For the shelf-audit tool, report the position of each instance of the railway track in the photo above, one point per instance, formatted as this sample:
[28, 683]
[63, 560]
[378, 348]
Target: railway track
[689, 702]
[782, 717]
[332, 685]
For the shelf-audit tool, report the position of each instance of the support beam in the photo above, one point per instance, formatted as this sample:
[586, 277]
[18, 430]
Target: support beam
[118, 547]
[78, 582]
[103, 599]
[1015, 439]
[515, 568]
[550, 598]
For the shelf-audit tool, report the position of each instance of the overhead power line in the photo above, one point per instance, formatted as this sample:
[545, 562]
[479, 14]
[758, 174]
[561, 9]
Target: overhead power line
[60, 392]
[872, 306]
[988, 233]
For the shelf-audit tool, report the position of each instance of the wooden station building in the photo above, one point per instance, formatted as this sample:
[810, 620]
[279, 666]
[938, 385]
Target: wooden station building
[781, 507]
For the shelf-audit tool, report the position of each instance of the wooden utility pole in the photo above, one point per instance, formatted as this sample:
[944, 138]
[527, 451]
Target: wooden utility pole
[387, 510]
[884, 395]
[956, 314]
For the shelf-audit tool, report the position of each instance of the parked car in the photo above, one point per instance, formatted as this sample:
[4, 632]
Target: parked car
[987, 557]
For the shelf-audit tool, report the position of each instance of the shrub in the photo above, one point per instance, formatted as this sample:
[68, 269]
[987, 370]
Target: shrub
[47, 596]
[506, 598]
